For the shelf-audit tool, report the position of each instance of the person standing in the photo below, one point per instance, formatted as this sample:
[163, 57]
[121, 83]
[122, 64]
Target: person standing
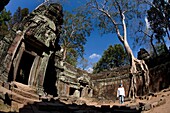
[121, 93]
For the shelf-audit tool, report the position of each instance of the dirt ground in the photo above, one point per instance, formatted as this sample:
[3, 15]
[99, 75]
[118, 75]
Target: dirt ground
[163, 108]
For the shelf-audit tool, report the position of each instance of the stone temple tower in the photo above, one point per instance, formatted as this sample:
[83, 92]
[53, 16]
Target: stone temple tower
[31, 51]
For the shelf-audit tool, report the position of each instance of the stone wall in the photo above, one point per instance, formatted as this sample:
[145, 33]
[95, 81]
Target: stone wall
[160, 77]
[105, 84]
[28, 49]
[107, 88]
[73, 82]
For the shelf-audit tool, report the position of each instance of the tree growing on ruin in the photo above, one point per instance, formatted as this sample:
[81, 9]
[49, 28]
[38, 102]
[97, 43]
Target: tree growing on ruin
[73, 37]
[112, 17]
[114, 56]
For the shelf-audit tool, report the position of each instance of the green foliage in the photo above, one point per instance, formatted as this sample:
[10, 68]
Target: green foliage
[72, 56]
[18, 17]
[160, 48]
[4, 19]
[24, 12]
[159, 19]
[73, 38]
[114, 56]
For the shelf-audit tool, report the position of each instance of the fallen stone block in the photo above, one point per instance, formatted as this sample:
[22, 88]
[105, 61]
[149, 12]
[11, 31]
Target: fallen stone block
[147, 107]
[161, 101]
[149, 97]
[154, 104]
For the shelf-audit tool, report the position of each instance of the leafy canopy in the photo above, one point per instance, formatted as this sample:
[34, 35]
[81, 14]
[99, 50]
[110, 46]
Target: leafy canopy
[73, 37]
[114, 56]
[4, 21]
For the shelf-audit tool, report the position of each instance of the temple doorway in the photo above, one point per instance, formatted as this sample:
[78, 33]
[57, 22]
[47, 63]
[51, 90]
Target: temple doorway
[24, 68]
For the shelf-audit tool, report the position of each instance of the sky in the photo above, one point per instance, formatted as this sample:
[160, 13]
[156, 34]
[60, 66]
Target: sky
[96, 44]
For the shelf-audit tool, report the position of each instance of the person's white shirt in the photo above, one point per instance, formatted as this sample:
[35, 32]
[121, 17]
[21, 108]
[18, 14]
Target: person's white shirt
[120, 91]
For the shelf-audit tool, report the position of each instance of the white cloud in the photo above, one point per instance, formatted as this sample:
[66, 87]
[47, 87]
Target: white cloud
[89, 70]
[94, 55]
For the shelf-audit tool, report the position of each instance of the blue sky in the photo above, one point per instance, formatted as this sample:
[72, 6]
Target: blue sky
[96, 44]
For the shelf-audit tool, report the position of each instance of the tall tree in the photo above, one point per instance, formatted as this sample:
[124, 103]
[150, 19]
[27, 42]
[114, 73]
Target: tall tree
[114, 56]
[113, 16]
[24, 12]
[4, 19]
[75, 29]
[159, 20]
[18, 16]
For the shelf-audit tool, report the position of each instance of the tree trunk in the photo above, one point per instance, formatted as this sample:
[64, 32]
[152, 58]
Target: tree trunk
[134, 62]
[151, 40]
[164, 44]
[123, 38]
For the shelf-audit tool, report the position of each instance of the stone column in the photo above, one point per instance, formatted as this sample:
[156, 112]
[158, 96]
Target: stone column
[90, 93]
[41, 75]
[76, 93]
[7, 64]
[33, 72]
[83, 93]
[59, 68]
[17, 60]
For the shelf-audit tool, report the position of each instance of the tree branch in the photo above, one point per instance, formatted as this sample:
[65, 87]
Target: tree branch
[112, 20]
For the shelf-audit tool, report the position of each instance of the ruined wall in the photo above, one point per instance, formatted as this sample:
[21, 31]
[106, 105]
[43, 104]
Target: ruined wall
[31, 46]
[74, 82]
[107, 88]
[105, 84]
[159, 72]
[160, 77]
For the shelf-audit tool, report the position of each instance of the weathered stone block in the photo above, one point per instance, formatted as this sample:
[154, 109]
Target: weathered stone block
[147, 107]
[161, 101]
[154, 104]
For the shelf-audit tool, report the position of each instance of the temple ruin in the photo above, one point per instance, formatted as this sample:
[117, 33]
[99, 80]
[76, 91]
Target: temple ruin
[31, 56]
[32, 65]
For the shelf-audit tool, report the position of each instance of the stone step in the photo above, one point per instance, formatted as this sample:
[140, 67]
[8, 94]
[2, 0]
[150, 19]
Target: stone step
[12, 96]
[20, 99]
[22, 87]
[15, 100]
[25, 94]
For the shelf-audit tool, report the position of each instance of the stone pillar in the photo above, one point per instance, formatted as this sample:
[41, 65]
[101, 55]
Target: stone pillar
[76, 93]
[59, 68]
[17, 60]
[83, 93]
[90, 93]
[7, 64]
[34, 71]
[41, 75]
